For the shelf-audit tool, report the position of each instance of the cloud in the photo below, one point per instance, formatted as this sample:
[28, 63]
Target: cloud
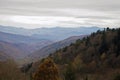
[53, 21]
[66, 13]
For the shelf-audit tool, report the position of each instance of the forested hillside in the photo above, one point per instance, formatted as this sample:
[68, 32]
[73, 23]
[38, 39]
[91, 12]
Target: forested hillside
[93, 58]
[10, 71]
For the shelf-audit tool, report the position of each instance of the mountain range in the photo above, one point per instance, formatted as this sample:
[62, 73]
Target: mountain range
[34, 44]
[17, 46]
[53, 34]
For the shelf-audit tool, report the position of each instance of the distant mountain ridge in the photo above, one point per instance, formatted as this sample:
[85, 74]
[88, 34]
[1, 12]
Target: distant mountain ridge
[54, 34]
[17, 46]
[15, 38]
[14, 30]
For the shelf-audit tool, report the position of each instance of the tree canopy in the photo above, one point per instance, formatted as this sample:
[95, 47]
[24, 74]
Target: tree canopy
[47, 71]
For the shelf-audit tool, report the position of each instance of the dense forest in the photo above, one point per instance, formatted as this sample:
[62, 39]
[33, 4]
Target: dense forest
[95, 57]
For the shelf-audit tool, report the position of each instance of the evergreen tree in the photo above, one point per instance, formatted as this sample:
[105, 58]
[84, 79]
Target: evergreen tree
[69, 74]
[104, 46]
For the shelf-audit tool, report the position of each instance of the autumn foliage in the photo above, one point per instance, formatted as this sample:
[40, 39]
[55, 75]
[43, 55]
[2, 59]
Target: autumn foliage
[91, 57]
[46, 71]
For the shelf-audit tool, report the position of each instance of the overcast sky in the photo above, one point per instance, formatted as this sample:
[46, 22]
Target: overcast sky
[64, 13]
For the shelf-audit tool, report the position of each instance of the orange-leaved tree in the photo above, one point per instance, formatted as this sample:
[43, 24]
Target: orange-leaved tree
[47, 71]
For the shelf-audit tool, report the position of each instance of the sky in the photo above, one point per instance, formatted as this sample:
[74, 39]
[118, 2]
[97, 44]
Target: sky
[59, 13]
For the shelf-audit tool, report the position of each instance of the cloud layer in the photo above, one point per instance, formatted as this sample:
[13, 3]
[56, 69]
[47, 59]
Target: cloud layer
[65, 13]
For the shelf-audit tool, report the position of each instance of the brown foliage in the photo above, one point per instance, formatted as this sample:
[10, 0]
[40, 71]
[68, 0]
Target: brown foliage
[46, 71]
[10, 71]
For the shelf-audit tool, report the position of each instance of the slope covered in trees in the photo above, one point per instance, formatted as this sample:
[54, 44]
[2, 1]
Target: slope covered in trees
[45, 51]
[93, 58]
[10, 71]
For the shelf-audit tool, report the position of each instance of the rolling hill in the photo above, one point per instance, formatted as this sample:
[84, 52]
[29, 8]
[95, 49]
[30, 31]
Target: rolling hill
[45, 51]
[18, 46]
[4, 56]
